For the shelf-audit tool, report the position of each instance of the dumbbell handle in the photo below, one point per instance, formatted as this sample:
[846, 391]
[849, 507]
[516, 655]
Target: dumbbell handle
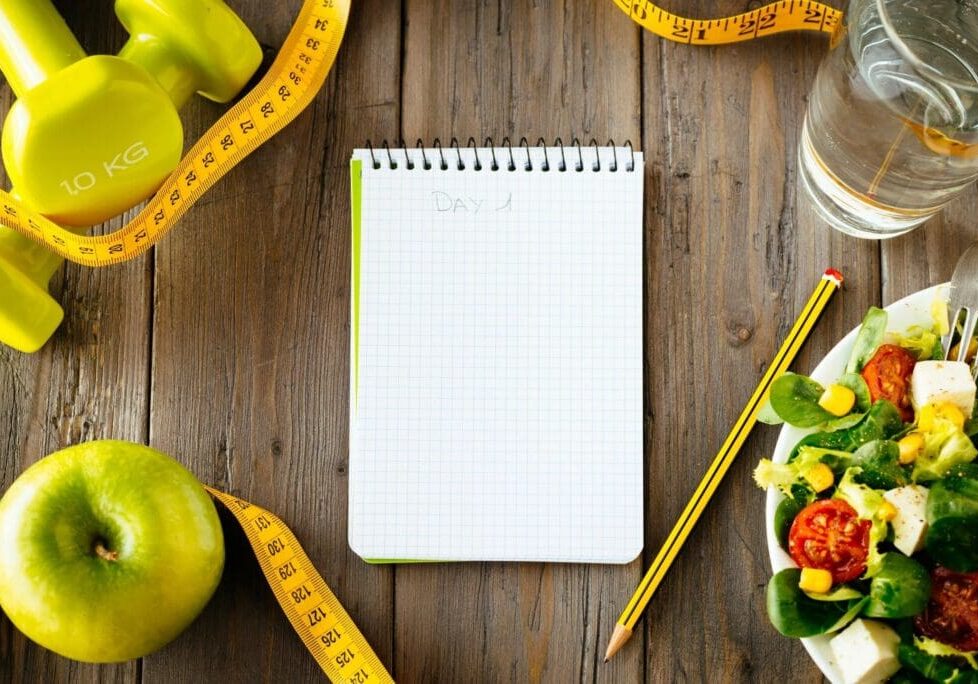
[33, 259]
[35, 43]
[160, 60]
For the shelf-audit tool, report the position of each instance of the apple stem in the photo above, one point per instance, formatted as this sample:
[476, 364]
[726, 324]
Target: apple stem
[104, 553]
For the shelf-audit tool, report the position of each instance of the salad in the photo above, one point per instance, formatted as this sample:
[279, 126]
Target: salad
[880, 507]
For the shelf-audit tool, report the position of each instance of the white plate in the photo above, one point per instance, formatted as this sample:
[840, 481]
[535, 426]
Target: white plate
[912, 310]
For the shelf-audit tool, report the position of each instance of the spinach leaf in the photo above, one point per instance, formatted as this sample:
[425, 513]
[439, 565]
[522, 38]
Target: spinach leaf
[795, 399]
[802, 494]
[935, 669]
[869, 337]
[784, 515]
[855, 608]
[901, 588]
[880, 461]
[882, 421]
[794, 614]
[842, 592]
[952, 516]
[968, 470]
[768, 415]
[843, 423]
[855, 382]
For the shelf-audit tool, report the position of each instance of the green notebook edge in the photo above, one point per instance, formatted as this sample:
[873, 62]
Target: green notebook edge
[356, 193]
[356, 170]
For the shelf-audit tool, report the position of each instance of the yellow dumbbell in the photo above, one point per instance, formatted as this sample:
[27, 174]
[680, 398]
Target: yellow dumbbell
[90, 137]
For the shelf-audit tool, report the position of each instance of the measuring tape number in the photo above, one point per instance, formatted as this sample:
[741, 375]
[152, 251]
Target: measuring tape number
[294, 79]
[314, 611]
[776, 17]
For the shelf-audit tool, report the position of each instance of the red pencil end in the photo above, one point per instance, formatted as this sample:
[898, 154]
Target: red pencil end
[834, 275]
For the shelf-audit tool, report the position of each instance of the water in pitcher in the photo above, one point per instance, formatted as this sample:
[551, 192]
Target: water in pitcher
[891, 133]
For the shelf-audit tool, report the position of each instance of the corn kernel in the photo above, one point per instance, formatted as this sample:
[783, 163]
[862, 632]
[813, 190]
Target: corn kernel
[837, 400]
[925, 417]
[911, 447]
[887, 511]
[815, 580]
[953, 413]
[929, 413]
[820, 477]
[972, 350]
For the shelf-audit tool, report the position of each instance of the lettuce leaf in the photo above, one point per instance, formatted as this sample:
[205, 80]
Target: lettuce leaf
[945, 446]
[936, 648]
[923, 343]
[785, 475]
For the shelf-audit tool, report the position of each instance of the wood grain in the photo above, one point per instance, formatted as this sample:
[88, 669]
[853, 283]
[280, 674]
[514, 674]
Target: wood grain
[90, 382]
[250, 356]
[731, 260]
[535, 69]
[228, 347]
[928, 255]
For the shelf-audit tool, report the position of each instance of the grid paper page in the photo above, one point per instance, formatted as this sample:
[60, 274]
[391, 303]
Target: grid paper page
[496, 389]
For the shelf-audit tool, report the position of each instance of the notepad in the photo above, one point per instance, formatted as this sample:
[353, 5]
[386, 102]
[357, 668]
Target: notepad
[496, 354]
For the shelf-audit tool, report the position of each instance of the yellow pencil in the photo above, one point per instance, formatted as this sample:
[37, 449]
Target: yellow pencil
[830, 282]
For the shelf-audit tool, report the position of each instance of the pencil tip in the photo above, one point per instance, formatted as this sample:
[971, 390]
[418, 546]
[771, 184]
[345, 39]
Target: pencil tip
[619, 636]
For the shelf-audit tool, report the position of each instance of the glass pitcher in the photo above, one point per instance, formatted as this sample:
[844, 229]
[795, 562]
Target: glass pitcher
[891, 132]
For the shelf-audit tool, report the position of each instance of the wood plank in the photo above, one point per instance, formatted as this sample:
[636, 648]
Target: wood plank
[250, 355]
[250, 369]
[732, 256]
[927, 256]
[546, 68]
[89, 382]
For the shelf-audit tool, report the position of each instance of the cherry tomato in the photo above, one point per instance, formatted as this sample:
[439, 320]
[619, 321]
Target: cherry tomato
[829, 535]
[888, 377]
[951, 616]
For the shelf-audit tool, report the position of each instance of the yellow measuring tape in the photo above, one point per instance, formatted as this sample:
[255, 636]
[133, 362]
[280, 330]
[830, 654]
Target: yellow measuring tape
[314, 611]
[293, 81]
[777, 17]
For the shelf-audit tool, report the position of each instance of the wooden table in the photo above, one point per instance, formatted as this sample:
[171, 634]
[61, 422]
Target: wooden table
[228, 345]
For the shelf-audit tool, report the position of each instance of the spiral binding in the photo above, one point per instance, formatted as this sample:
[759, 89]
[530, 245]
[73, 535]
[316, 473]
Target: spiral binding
[377, 156]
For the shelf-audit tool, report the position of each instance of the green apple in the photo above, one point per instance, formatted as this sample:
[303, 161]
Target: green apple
[108, 550]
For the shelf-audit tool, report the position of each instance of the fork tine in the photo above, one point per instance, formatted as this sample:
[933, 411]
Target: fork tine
[963, 297]
[967, 332]
[953, 321]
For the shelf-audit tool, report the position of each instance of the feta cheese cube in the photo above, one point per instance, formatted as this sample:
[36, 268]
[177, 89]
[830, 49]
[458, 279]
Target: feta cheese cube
[866, 652]
[910, 523]
[943, 381]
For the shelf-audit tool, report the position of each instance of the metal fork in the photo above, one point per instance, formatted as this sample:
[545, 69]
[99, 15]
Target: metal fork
[963, 298]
